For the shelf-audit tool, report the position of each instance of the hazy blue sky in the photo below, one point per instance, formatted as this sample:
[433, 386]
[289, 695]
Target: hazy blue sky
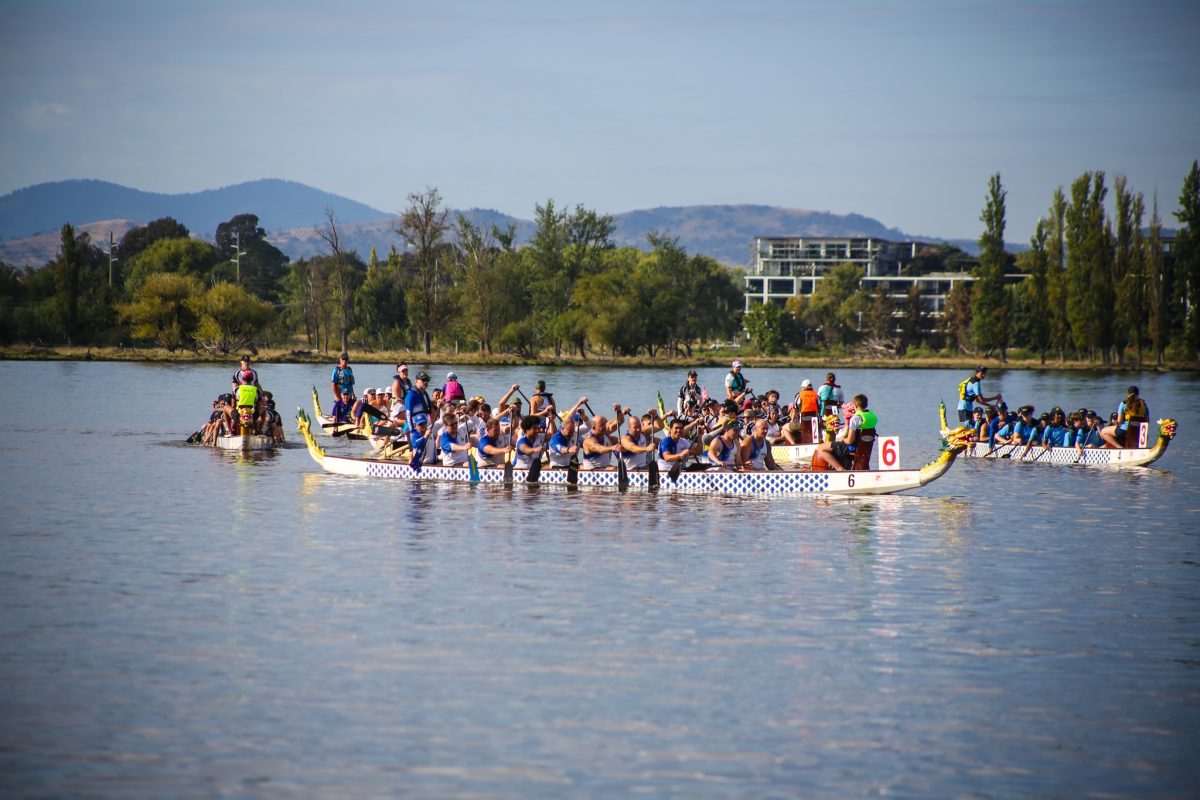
[898, 110]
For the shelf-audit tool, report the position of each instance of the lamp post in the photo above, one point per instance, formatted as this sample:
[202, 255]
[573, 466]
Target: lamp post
[111, 247]
[237, 256]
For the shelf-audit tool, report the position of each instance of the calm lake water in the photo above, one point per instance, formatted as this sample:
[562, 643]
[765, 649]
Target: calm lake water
[179, 622]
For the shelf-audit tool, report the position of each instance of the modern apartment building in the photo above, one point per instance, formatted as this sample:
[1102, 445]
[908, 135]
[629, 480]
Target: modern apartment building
[785, 266]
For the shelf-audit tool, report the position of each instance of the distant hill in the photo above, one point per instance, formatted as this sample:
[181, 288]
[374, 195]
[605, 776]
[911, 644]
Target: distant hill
[279, 204]
[30, 219]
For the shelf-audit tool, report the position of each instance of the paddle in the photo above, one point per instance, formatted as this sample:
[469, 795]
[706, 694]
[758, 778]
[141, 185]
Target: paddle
[652, 479]
[194, 438]
[508, 468]
[622, 470]
[573, 471]
[472, 466]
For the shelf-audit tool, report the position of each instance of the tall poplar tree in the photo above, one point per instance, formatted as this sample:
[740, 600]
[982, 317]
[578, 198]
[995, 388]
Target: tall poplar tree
[68, 279]
[1089, 277]
[990, 302]
[1187, 259]
[1157, 295]
[1036, 288]
[1056, 276]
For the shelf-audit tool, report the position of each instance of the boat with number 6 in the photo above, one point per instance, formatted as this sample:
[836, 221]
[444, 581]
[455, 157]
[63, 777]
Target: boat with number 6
[715, 481]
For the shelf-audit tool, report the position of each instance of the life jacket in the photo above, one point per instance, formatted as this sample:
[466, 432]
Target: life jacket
[962, 390]
[807, 401]
[738, 384]
[247, 394]
[868, 419]
[1135, 410]
[454, 391]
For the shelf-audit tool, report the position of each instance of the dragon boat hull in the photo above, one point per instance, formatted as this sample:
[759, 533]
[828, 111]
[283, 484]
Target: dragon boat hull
[862, 482]
[247, 442]
[1126, 457]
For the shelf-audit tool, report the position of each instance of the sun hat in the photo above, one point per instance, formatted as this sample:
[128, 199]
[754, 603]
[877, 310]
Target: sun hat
[401, 367]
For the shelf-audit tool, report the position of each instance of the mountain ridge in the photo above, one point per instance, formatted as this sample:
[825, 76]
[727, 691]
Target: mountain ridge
[290, 212]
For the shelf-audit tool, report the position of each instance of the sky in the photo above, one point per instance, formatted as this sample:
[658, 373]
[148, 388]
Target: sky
[896, 110]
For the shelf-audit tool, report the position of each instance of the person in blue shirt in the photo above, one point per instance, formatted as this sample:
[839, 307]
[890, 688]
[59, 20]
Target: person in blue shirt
[343, 407]
[417, 401]
[1057, 434]
[971, 392]
[488, 451]
[454, 443]
[342, 379]
[1021, 430]
[673, 449]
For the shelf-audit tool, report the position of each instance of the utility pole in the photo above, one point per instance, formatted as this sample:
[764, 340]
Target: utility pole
[111, 247]
[237, 256]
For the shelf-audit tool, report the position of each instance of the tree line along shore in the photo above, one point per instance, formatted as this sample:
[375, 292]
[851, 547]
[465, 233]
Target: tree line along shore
[1094, 288]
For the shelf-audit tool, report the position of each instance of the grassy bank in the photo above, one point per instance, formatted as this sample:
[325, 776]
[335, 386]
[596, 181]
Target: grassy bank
[700, 359]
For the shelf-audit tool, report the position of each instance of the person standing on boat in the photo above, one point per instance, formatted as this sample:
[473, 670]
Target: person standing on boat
[452, 390]
[343, 376]
[736, 385]
[970, 392]
[244, 375]
[418, 401]
[541, 402]
[829, 396]
[690, 394]
[400, 383]
[834, 454]
[1132, 409]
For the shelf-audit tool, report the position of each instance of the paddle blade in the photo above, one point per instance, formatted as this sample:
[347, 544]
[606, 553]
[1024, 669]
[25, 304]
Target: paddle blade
[676, 468]
[662, 409]
[508, 469]
[472, 466]
[622, 475]
[573, 472]
[652, 470]
[535, 471]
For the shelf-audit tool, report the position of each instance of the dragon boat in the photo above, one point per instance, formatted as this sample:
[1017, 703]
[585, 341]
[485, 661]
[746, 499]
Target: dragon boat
[247, 441]
[327, 425]
[1138, 453]
[713, 481]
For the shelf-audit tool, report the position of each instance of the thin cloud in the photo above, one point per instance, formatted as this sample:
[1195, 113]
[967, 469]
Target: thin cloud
[43, 116]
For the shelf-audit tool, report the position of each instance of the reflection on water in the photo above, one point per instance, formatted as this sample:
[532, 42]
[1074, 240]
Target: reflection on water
[177, 617]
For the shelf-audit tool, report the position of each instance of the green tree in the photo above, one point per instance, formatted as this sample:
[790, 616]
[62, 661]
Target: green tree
[836, 304]
[1036, 290]
[263, 266]
[488, 287]
[956, 321]
[423, 227]
[1129, 276]
[989, 304]
[770, 328]
[380, 305]
[878, 321]
[163, 309]
[136, 240]
[1157, 309]
[1187, 260]
[68, 280]
[1089, 272]
[230, 318]
[914, 321]
[181, 256]
[1056, 274]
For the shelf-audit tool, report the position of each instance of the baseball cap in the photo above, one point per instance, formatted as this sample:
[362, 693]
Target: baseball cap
[424, 376]
[368, 391]
[451, 376]
[693, 374]
[806, 384]
[420, 419]
[344, 357]
[736, 364]
[401, 367]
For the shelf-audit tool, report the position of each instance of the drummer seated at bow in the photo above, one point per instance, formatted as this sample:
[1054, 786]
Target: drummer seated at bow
[247, 407]
[839, 453]
[1133, 410]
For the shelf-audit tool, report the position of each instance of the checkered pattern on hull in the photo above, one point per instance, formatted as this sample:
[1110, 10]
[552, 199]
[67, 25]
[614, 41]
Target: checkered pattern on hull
[1061, 455]
[689, 482]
